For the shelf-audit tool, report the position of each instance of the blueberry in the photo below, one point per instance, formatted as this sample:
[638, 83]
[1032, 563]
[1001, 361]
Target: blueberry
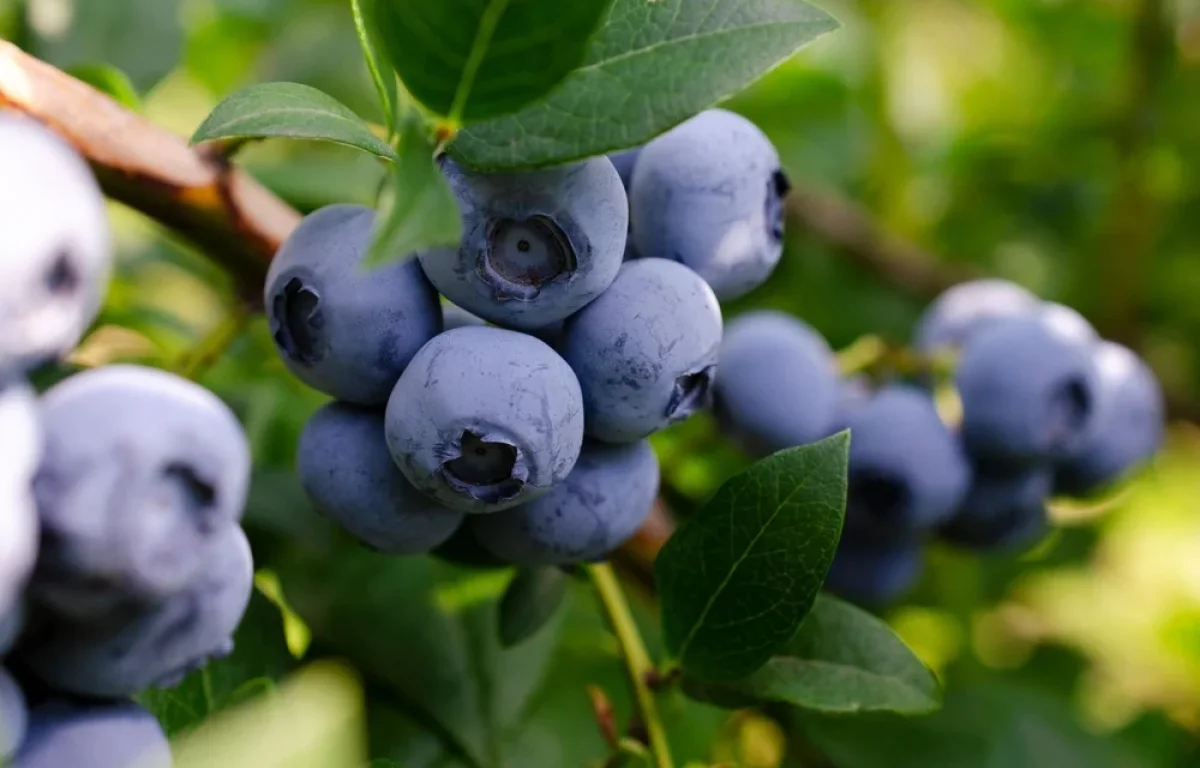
[536, 246]
[142, 472]
[21, 446]
[778, 384]
[595, 510]
[907, 472]
[1068, 324]
[341, 327]
[1028, 392]
[624, 162]
[646, 351]
[485, 419]
[56, 257]
[961, 311]
[348, 473]
[874, 572]
[1005, 508]
[709, 194]
[1128, 426]
[126, 651]
[117, 734]
[457, 317]
[14, 716]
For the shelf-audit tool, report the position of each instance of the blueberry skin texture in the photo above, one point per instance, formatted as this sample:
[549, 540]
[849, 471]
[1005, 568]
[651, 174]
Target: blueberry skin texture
[129, 651]
[1004, 510]
[346, 470]
[593, 512]
[340, 327]
[1028, 392]
[963, 310]
[709, 194]
[646, 351]
[14, 715]
[907, 471]
[1128, 427]
[94, 735]
[21, 447]
[537, 246]
[142, 471]
[57, 254]
[485, 419]
[625, 162]
[874, 573]
[778, 383]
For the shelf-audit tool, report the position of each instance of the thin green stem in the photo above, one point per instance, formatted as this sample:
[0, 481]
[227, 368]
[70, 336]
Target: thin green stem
[195, 361]
[637, 660]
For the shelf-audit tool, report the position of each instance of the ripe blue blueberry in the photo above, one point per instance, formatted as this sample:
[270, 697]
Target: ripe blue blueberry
[348, 473]
[1128, 427]
[142, 472]
[127, 651]
[1068, 324]
[56, 257]
[870, 572]
[341, 327]
[536, 246]
[961, 311]
[907, 472]
[20, 451]
[778, 383]
[1005, 508]
[595, 510]
[624, 162]
[1028, 392]
[646, 351]
[485, 419]
[14, 716]
[117, 734]
[709, 194]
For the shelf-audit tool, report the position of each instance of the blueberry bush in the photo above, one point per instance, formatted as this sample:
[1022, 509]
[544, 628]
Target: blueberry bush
[663, 383]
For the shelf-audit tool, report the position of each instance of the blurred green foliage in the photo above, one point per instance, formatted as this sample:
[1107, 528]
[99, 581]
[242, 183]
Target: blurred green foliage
[1054, 142]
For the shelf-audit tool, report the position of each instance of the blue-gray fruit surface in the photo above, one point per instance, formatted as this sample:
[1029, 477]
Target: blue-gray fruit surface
[907, 471]
[1004, 510]
[14, 715]
[21, 446]
[777, 384]
[142, 473]
[646, 351]
[594, 511]
[1028, 392]
[68, 734]
[485, 419]
[709, 194]
[964, 309]
[341, 327]
[536, 246]
[1128, 427]
[348, 473]
[56, 254]
[874, 572]
[126, 651]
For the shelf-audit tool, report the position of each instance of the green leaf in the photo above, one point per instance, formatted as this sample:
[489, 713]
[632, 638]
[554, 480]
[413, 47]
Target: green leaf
[384, 80]
[289, 111]
[260, 657]
[473, 59]
[842, 659]
[531, 600]
[110, 80]
[651, 66]
[737, 579]
[419, 211]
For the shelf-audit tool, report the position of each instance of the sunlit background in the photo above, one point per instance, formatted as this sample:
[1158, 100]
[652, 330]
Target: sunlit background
[1052, 142]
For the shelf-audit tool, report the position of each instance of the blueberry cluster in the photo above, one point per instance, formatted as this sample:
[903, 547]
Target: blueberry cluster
[1047, 408]
[512, 422]
[123, 565]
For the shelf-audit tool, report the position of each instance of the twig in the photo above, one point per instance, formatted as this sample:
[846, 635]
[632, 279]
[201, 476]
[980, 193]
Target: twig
[637, 660]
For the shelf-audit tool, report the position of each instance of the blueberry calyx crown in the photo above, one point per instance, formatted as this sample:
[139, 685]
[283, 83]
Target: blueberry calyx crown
[522, 255]
[296, 319]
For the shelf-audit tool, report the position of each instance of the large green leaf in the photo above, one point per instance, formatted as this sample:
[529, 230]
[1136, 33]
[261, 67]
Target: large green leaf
[842, 659]
[260, 658]
[381, 72]
[289, 111]
[419, 210]
[651, 66]
[738, 578]
[532, 599]
[474, 59]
